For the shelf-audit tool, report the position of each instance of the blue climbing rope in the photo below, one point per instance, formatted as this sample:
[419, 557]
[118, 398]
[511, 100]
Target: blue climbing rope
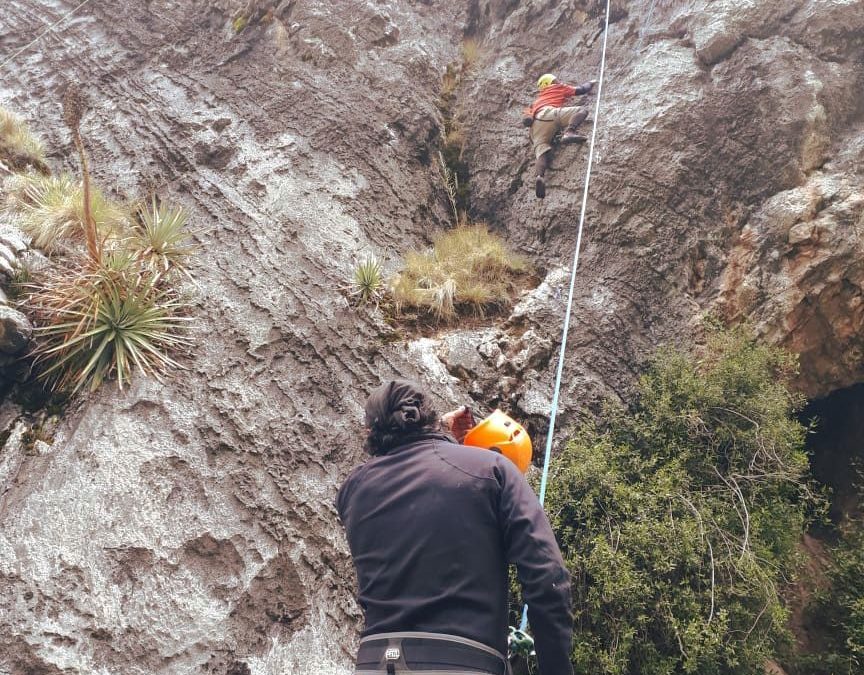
[544, 481]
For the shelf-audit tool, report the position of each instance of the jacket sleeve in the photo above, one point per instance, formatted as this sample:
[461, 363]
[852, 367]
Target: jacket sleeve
[530, 544]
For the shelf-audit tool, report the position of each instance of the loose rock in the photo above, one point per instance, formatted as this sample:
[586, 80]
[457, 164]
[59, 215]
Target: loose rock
[15, 330]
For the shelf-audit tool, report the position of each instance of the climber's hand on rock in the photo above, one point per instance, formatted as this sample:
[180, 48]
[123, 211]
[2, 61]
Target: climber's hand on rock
[458, 422]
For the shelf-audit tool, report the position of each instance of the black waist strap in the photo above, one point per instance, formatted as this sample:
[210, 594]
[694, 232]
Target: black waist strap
[429, 652]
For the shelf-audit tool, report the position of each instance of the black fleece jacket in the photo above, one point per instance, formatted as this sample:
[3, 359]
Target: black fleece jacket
[432, 526]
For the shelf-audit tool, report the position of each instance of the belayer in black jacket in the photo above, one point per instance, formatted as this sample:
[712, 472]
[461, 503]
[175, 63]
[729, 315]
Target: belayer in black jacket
[432, 526]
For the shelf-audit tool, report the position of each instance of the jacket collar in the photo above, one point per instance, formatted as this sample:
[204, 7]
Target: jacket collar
[412, 439]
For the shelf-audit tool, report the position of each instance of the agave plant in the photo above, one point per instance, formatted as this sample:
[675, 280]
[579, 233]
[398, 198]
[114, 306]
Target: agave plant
[94, 322]
[368, 282]
[160, 238]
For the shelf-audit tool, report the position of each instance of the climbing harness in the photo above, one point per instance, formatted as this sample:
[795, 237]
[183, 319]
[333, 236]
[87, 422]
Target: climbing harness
[554, 407]
[43, 33]
[412, 651]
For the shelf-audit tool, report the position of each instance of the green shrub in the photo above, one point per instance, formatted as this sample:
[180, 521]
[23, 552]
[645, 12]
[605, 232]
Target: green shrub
[679, 518]
[110, 305]
[467, 268]
[51, 210]
[839, 610]
[19, 148]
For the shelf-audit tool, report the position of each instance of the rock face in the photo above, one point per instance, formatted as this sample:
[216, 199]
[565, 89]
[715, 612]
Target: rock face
[712, 112]
[189, 528]
[15, 331]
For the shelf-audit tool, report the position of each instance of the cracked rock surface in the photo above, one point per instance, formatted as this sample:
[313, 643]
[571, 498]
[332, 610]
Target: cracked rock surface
[189, 527]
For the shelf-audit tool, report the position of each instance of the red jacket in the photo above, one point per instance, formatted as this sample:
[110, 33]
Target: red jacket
[555, 95]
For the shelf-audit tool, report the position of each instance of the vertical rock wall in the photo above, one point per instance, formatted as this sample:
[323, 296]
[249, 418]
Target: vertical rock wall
[188, 528]
[727, 177]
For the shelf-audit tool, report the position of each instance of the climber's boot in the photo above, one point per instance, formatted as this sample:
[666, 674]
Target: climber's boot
[572, 136]
[540, 187]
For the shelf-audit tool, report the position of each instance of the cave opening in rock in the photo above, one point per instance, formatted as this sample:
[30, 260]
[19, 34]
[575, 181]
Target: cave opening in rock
[836, 447]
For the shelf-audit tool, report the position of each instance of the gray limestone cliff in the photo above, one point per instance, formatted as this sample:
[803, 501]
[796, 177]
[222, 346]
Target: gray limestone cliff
[189, 527]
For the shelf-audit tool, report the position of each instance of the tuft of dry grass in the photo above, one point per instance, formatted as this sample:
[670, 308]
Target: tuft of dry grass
[51, 210]
[471, 52]
[19, 148]
[468, 268]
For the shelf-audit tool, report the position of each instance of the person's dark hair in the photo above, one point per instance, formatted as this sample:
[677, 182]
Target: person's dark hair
[395, 411]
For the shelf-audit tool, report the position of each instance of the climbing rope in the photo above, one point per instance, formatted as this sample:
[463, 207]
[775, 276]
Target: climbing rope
[544, 481]
[43, 33]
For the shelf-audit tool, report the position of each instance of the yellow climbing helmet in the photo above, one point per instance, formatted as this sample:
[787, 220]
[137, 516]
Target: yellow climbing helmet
[545, 80]
[501, 433]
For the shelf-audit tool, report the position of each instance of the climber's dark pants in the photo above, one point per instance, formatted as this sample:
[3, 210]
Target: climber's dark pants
[413, 652]
[542, 163]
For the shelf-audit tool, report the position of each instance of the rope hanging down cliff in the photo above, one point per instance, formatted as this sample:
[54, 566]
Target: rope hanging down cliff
[553, 414]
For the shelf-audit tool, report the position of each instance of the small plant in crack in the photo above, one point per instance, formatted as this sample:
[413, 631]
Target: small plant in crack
[450, 179]
[367, 284]
[161, 239]
[453, 167]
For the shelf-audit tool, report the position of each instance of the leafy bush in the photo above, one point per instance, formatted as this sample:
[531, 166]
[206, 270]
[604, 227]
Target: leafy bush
[108, 314]
[51, 209]
[19, 148]
[110, 305]
[679, 519]
[468, 267]
[839, 609]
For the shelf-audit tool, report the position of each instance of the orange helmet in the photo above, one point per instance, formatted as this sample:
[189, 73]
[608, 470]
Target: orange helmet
[501, 433]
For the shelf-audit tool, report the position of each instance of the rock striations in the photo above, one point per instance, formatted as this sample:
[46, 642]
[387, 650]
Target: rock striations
[189, 527]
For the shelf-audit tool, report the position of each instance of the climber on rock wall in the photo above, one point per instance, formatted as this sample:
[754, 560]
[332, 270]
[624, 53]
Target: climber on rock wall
[432, 526]
[547, 116]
